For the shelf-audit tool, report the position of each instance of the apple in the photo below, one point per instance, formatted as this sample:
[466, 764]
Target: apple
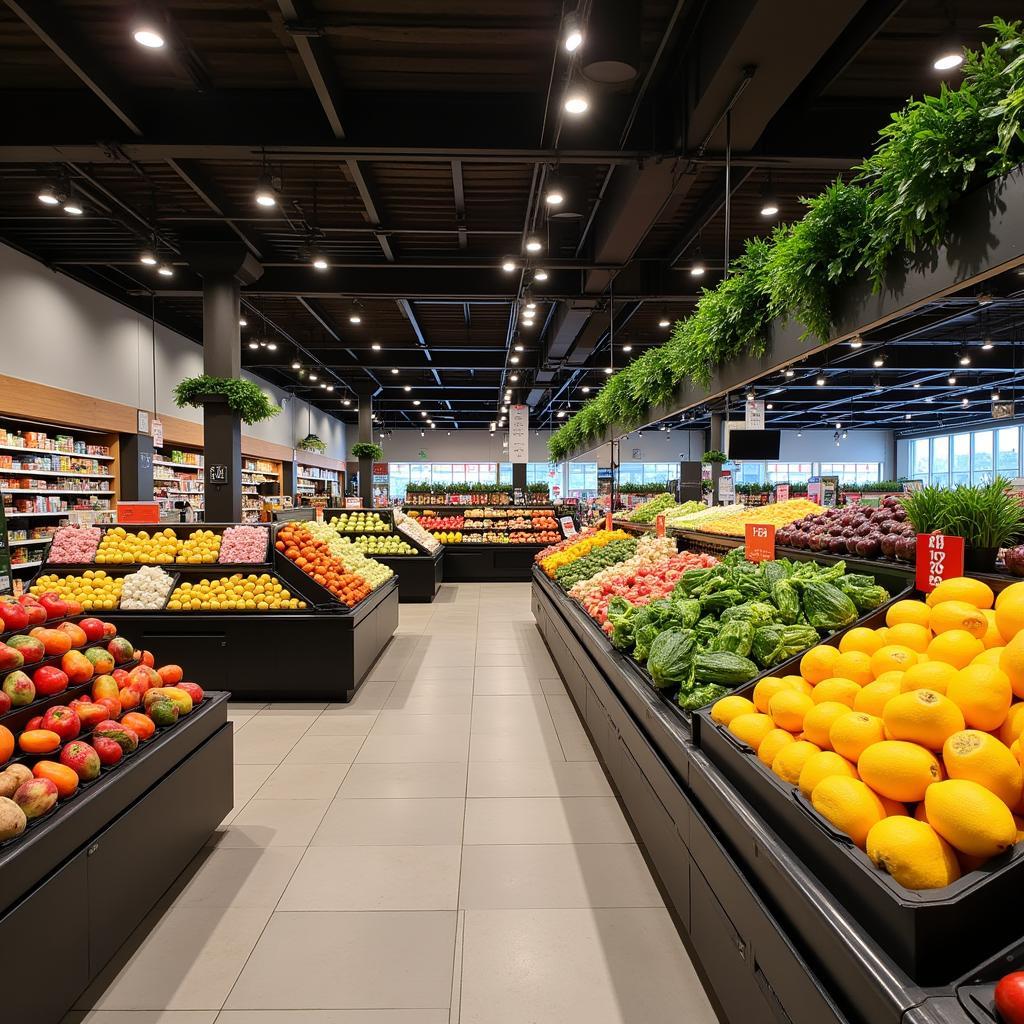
[82, 759]
[89, 712]
[49, 680]
[34, 723]
[5, 703]
[63, 721]
[194, 690]
[36, 614]
[107, 750]
[10, 658]
[31, 648]
[1010, 997]
[93, 629]
[121, 649]
[36, 797]
[13, 615]
[109, 630]
[19, 689]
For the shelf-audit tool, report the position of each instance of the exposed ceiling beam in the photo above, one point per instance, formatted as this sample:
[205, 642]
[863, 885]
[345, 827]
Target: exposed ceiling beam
[316, 56]
[710, 207]
[460, 202]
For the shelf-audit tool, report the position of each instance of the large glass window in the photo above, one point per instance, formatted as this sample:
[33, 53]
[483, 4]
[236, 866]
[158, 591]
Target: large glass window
[961, 463]
[582, 480]
[919, 458]
[788, 472]
[981, 467]
[951, 459]
[940, 461]
[1007, 451]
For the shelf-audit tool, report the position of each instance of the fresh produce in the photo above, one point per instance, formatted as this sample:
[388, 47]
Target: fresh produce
[360, 522]
[82, 759]
[63, 777]
[94, 589]
[36, 797]
[646, 512]
[13, 615]
[856, 530]
[123, 547]
[584, 566]
[442, 523]
[352, 560]
[552, 559]
[12, 777]
[1009, 997]
[233, 593]
[988, 516]
[19, 688]
[147, 588]
[74, 545]
[412, 529]
[733, 523]
[389, 546]
[12, 819]
[38, 741]
[243, 544]
[123, 736]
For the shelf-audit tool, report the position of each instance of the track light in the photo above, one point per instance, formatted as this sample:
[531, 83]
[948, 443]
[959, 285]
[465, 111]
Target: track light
[986, 345]
[951, 379]
[48, 197]
[879, 360]
[266, 192]
[555, 195]
[514, 359]
[74, 207]
[531, 305]
[148, 258]
[965, 359]
[519, 348]
[272, 346]
[608, 371]
[533, 244]
[585, 390]
[697, 268]
[296, 366]
[375, 346]
[355, 314]
[769, 203]
[856, 342]
[951, 55]
[508, 266]
[242, 322]
[148, 35]
[576, 102]
[514, 377]
[319, 263]
[573, 38]
[540, 275]
[313, 376]
[165, 270]
[394, 371]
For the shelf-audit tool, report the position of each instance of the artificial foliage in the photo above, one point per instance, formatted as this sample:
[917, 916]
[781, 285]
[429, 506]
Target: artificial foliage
[367, 450]
[713, 456]
[243, 397]
[896, 208]
[312, 443]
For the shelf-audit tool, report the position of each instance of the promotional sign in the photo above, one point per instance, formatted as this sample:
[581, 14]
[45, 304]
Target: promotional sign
[608, 521]
[939, 557]
[829, 491]
[568, 526]
[354, 502]
[760, 542]
[909, 486]
[659, 526]
[519, 434]
[218, 474]
[726, 489]
[814, 489]
[854, 498]
[138, 512]
[782, 492]
[753, 416]
[158, 433]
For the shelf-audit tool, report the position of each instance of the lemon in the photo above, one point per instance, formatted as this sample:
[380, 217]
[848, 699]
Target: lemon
[725, 710]
[899, 770]
[983, 693]
[818, 722]
[962, 589]
[772, 743]
[912, 852]
[970, 818]
[899, 612]
[790, 760]
[956, 647]
[922, 716]
[979, 757]
[849, 805]
[820, 766]
[851, 734]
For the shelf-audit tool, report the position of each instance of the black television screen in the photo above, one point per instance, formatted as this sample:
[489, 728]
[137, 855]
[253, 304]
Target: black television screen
[753, 444]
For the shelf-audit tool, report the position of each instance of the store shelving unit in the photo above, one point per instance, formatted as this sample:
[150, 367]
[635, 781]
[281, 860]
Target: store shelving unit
[314, 480]
[254, 473]
[178, 476]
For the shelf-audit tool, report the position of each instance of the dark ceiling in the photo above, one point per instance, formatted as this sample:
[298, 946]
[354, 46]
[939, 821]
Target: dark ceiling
[413, 143]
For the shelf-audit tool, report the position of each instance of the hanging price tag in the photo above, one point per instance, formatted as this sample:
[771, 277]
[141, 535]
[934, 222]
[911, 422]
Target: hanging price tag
[939, 557]
[608, 521]
[782, 492]
[760, 542]
[659, 526]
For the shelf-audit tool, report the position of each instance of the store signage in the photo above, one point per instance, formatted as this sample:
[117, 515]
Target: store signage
[353, 502]
[138, 512]
[380, 469]
[142, 419]
[218, 474]
[637, 454]
[939, 557]
[829, 491]
[1002, 410]
[158, 433]
[519, 434]
[854, 498]
[814, 489]
[726, 488]
[760, 542]
[782, 492]
[568, 526]
[909, 486]
[659, 526]
[753, 416]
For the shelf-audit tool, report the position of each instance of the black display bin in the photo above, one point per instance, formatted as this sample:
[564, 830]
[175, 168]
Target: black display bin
[65, 890]
[419, 576]
[489, 563]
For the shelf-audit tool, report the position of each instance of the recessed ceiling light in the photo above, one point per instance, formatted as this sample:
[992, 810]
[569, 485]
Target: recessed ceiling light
[319, 263]
[48, 197]
[533, 244]
[148, 36]
[514, 377]
[394, 370]
[508, 266]
[576, 103]
[514, 359]
[627, 348]
[415, 401]
[74, 207]
[697, 269]
[540, 275]
[165, 270]
[407, 388]
[561, 414]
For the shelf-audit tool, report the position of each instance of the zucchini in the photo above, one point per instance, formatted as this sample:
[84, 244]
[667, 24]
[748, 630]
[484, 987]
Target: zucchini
[723, 667]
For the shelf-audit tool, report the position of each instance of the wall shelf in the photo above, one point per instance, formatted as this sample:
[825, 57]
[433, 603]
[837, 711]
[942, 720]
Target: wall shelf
[55, 451]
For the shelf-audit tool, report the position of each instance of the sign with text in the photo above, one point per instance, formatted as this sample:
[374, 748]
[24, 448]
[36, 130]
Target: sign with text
[753, 416]
[782, 492]
[218, 474]
[519, 434]
[353, 501]
[939, 557]
[138, 512]
[568, 526]
[726, 489]
[829, 491]
[158, 433]
[760, 542]
[608, 521]
[659, 526]
[910, 486]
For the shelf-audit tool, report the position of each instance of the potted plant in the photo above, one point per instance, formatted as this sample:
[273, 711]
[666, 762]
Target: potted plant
[312, 443]
[714, 456]
[244, 398]
[367, 450]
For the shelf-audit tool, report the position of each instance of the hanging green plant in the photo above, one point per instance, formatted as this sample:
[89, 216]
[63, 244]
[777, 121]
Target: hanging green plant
[312, 443]
[713, 456]
[243, 397]
[367, 450]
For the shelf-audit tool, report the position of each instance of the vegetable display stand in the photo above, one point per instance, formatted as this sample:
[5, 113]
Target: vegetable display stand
[489, 563]
[419, 576]
[59, 883]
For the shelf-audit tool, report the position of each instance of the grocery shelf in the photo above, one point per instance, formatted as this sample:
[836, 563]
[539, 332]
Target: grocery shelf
[26, 565]
[67, 511]
[177, 465]
[36, 490]
[27, 540]
[55, 472]
[54, 451]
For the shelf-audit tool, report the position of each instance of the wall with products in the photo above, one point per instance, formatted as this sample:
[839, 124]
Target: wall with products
[56, 331]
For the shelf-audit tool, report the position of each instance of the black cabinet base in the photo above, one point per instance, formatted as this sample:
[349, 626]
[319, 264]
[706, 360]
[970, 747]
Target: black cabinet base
[489, 563]
[419, 576]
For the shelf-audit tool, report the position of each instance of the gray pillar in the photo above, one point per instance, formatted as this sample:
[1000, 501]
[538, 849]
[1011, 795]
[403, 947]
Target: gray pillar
[519, 476]
[365, 393]
[289, 479]
[136, 467]
[715, 438]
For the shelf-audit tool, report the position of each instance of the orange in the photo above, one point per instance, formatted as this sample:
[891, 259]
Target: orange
[790, 760]
[855, 665]
[977, 756]
[63, 777]
[818, 721]
[899, 770]
[1010, 617]
[910, 634]
[817, 663]
[922, 716]
[725, 710]
[851, 734]
[751, 728]
[843, 690]
[799, 683]
[38, 741]
[6, 744]
[962, 588]
[1010, 593]
[928, 675]
[907, 611]
[958, 615]
[772, 744]
[849, 805]
[860, 638]
[787, 709]
[894, 675]
[820, 766]
[991, 655]
[1013, 724]
[992, 637]
[1011, 661]
[956, 647]
[873, 697]
[912, 852]
[766, 689]
[893, 657]
[983, 694]
[970, 818]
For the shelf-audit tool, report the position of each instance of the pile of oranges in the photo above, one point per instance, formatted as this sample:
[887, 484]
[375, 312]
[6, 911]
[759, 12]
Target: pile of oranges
[907, 738]
[314, 558]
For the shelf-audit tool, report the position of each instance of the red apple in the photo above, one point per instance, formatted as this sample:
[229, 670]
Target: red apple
[194, 690]
[13, 615]
[93, 629]
[1010, 997]
[49, 680]
[109, 751]
[31, 648]
[82, 759]
[109, 630]
[34, 723]
[5, 703]
[10, 658]
[63, 721]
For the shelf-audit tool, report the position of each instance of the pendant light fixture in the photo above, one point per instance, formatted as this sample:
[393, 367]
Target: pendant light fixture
[572, 33]
[48, 196]
[697, 267]
[266, 188]
[577, 102]
[554, 194]
[769, 202]
[355, 313]
[540, 274]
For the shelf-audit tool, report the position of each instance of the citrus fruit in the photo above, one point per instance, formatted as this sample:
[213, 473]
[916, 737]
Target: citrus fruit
[962, 588]
[1011, 661]
[767, 688]
[928, 675]
[977, 756]
[873, 697]
[817, 663]
[851, 734]
[969, 817]
[725, 710]
[922, 716]
[910, 634]
[892, 657]
[912, 852]
[818, 721]
[956, 647]
[992, 637]
[958, 615]
[772, 744]
[1010, 616]
[787, 709]
[860, 638]
[849, 805]
[1010, 593]
[820, 766]
[983, 694]
[894, 675]
[836, 689]
[799, 682]
[1013, 724]
[855, 665]
[990, 656]
[790, 760]
[899, 770]
[751, 728]
[907, 611]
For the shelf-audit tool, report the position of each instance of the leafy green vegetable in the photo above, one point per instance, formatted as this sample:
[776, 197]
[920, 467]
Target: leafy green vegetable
[759, 613]
[700, 696]
[735, 636]
[644, 636]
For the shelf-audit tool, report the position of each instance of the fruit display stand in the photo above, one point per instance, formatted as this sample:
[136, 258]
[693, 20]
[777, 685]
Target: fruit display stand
[419, 575]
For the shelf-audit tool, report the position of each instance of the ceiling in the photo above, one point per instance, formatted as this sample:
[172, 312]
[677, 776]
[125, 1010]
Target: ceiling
[412, 143]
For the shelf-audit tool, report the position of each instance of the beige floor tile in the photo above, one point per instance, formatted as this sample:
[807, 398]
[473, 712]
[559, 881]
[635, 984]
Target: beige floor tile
[141, 1017]
[268, 740]
[576, 745]
[428, 682]
[247, 780]
[282, 708]
[435, 702]
[331, 1017]
[599, 966]
[428, 749]
[303, 782]
[273, 823]
[582, 875]
[402, 723]
[553, 686]
[392, 822]
[375, 878]
[561, 704]
[529, 746]
[370, 697]
[545, 820]
[510, 679]
[408, 781]
[325, 750]
[251, 878]
[350, 960]
[189, 959]
[338, 723]
[540, 779]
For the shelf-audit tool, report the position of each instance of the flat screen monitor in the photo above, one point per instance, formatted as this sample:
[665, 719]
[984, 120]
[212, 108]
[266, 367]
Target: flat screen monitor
[753, 444]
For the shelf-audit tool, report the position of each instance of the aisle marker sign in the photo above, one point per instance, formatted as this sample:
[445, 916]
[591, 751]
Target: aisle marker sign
[939, 557]
[760, 542]
[659, 526]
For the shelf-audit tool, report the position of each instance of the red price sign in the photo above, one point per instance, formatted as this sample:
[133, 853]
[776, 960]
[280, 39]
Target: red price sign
[760, 542]
[608, 520]
[138, 512]
[782, 492]
[939, 557]
[659, 526]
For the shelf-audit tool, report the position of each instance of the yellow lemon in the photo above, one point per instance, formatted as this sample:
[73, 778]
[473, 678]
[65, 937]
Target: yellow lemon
[849, 805]
[922, 716]
[1011, 661]
[970, 818]
[860, 638]
[983, 694]
[910, 634]
[899, 612]
[790, 760]
[818, 721]
[892, 657]
[750, 728]
[855, 665]
[912, 852]
[1010, 593]
[958, 615]
[928, 675]
[817, 663]
[992, 638]
[1010, 616]
[962, 588]
[772, 744]
[836, 689]
[899, 770]
[767, 688]
[820, 766]
[1013, 724]
[872, 698]
[787, 709]
[956, 647]
[977, 756]
[725, 710]
[851, 734]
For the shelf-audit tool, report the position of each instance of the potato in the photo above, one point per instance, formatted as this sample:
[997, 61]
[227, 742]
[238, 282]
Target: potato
[12, 819]
[20, 772]
[8, 784]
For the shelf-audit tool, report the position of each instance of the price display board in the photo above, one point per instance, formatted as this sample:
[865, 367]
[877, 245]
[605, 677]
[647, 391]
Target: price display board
[782, 492]
[760, 542]
[939, 557]
[138, 512]
[353, 502]
[659, 526]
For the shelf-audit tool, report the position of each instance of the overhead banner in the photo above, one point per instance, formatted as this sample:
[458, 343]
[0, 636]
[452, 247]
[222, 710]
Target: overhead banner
[519, 434]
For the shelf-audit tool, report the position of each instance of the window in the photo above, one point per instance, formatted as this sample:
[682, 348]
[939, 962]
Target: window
[582, 480]
[1007, 448]
[853, 472]
[940, 461]
[919, 458]
[961, 462]
[981, 467]
[788, 472]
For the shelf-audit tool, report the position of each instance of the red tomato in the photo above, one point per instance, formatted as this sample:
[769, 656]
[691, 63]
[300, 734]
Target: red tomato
[1010, 997]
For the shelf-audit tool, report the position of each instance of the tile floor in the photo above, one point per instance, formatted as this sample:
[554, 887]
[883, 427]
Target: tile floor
[443, 849]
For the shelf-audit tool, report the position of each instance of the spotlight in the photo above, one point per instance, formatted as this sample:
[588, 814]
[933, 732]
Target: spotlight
[950, 56]
[415, 401]
[540, 275]
[820, 380]
[608, 371]
[74, 207]
[243, 322]
[917, 383]
[857, 342]
[254, 344]
[697, 268]
[394, 371]
[519, 348]
[48, 197]
[533, 244]
[627, 348]
[375, 346]
[576, 102]
[355, 314]
[531, 304]
[508, 266]
[664, 321]
[769, 203]
[573, 38]
[407, 388]
[965, 402]
[951, 379]
[514, 359]
[148, 35]
[769, 406]
[585, 390]
[965, 359]
[313, 376]
[147, 258]
[296, 366]
[272, 346]
[346, 401]
[423, 413]
[319, 263]
[995, 396]
[878, 361]
[165, 270]
[789, 373]
[986, 345]
[514, 377]
[555, 195]
[323, 385]
[266, 193]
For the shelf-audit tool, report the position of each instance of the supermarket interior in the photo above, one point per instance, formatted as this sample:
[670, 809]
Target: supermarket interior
[512, 512]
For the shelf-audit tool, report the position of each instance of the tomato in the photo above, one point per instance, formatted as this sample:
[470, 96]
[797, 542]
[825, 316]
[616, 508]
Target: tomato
[1010, 997]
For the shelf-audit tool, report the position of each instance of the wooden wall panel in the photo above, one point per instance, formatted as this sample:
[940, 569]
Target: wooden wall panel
[28, 400]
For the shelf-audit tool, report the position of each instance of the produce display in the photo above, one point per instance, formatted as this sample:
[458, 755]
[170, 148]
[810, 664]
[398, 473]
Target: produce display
[488, 525]
[664, 505]
[907, 737]
[568, 542]
[127, 547]
[374, 573]
[720, 627]
[388, 546]
[733, 522]
[597, 557]
[566, 551]
[74, 545]
[443, 523]
[147, 588]
[234, 593]
[94, 590]
[414, 531]
[242, 544]
[447, 537]
[855, 530]
[360, 522]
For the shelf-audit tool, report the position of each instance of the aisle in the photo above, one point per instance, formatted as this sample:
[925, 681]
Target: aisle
[444, 849]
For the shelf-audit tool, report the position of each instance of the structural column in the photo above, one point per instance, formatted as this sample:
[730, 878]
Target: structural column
[365, 392]
[135, 467]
